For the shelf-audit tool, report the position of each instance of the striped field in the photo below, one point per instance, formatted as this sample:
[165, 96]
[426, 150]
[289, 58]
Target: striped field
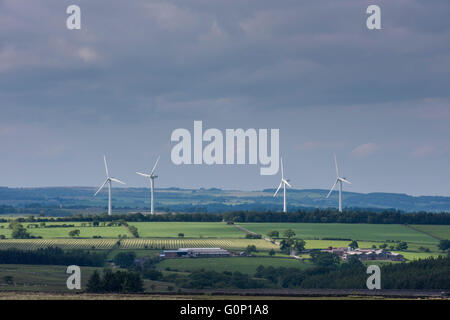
[230, 244]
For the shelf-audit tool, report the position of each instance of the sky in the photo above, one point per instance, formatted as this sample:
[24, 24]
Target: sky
[139, 69]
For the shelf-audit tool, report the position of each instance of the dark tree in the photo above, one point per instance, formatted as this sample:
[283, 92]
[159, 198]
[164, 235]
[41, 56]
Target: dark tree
[124, 259]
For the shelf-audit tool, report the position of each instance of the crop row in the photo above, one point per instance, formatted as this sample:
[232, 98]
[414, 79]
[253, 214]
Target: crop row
[32, 244]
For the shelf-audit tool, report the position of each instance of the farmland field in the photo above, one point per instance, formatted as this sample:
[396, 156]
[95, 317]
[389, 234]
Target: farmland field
[438, 231]
[367, 232]
[40, 278]
[63, 232]
[242, 264]
[85, 232]
[32, 244]
[190, 229]
[231, 244]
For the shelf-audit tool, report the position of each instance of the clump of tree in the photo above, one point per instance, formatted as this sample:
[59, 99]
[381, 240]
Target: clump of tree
[18, 231]
[250, 249]
[74, 233]
[253, 236]
[289, 233]
[402, 246]
[181, 235]
[125, 259]
[134, 231]
[325, 260]
[117, 282]
[289, 244]
[353, 244]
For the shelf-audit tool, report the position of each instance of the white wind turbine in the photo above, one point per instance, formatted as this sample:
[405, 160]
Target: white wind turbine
[338, 180]
[108, 181]
[283, 183]
[152, 178]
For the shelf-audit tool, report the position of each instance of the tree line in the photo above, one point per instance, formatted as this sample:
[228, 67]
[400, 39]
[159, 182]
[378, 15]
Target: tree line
[52, 256]
[304, 215]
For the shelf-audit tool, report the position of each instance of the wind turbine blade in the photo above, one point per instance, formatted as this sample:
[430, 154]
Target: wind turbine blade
[335, 162]
[278, 189]
[286, 182]
[117, 180]
[99, 189]
[143, 174]
[345, 180]
[332, 188]
[154, 167]
[106, 166]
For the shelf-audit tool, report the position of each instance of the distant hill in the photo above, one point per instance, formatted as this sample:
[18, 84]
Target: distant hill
[211, 200]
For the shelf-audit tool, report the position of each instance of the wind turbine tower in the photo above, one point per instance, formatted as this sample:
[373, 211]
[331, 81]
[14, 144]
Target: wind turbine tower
[109, 182]
[152, 178]
[339, 180]
[284, 182]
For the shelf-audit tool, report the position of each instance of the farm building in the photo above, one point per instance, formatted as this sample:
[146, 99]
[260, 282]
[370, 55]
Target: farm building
[365, 254]
[194, 253]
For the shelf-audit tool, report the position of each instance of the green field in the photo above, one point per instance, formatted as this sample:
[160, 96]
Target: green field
[190, 230]
[50, 278]
[242, 264]
[164, 235]
[438, 231]
[40, 278]
[366, 232]
[85, 231]
[230, 244]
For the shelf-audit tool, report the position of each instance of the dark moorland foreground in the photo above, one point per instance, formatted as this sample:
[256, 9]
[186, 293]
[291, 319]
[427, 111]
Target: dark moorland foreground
[307, 294]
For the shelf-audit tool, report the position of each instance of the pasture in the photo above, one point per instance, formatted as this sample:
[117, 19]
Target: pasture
[189, 229]
[438, 231]
[364, 232]
[241, 264]
[63, 232]
[40, 278]
[164, 235]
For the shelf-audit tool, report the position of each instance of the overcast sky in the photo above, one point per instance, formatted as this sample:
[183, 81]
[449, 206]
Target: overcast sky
[138, 69]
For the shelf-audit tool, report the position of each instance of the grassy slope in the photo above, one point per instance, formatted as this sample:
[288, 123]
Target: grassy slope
[242, 264]
[40, 278]
[438, 231]
[190, 229]
[85, 232]
[368, 232]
